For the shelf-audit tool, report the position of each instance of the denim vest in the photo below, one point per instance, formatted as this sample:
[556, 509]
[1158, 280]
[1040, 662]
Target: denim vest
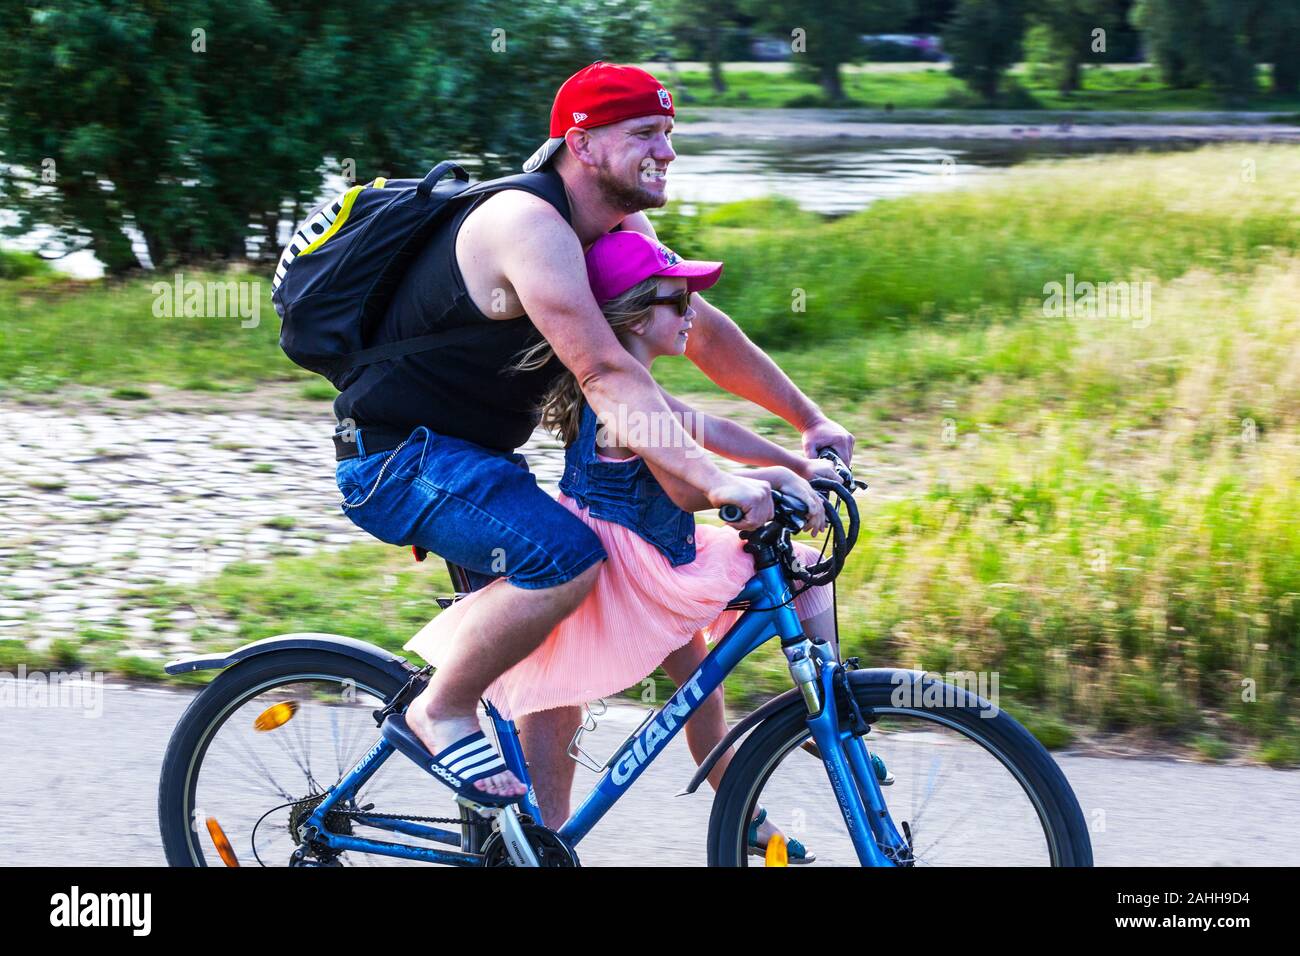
[626, 493]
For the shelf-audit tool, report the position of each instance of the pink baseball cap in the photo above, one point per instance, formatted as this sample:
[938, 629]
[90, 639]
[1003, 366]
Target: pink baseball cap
[619, 260]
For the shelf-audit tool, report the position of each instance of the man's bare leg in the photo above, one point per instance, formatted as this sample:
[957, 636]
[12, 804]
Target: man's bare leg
[504, 625]
[545, 736]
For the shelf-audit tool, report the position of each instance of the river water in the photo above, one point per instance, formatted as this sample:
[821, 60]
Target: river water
[836, 177]
[826, 174]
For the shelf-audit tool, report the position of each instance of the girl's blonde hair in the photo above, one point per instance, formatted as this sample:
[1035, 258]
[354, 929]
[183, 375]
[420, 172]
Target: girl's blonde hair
[561, 406]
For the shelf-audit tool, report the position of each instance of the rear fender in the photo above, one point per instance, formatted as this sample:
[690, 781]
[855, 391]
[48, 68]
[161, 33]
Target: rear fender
[347, 646]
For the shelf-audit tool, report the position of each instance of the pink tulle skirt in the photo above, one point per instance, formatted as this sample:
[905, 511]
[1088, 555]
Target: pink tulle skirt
[640, 610]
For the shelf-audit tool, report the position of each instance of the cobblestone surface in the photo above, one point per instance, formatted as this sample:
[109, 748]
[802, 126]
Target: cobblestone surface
[96, 502]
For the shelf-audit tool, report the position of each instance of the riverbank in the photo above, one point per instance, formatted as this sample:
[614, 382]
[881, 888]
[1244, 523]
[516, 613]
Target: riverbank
[838, 125]
[1099, 507]
[897, 86]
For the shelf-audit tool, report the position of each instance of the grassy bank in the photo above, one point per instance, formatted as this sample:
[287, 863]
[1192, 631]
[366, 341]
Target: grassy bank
[951, 265]
[933, 87]
[123, 334]
[1103, 510]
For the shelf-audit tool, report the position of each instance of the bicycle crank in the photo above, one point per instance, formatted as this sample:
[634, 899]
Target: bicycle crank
[546, 845]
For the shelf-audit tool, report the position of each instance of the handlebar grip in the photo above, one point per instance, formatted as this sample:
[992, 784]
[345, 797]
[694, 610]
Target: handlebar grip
[730, 513]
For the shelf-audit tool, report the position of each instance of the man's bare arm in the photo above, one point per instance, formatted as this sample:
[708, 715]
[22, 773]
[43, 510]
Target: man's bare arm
[541, 258]
[723, 352]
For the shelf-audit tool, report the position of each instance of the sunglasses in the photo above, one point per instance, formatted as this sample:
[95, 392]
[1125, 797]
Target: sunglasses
[682, 300]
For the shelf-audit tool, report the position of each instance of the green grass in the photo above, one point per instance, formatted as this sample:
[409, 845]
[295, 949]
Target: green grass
[368, 591]
[130, 393]
[1104, 512]
[940, 270]
[954, 262]
[319, 391]
[933, 87]
[59, 331]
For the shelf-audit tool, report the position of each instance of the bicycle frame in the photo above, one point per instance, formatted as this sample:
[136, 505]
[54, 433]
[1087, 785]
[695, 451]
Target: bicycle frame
[771, 614]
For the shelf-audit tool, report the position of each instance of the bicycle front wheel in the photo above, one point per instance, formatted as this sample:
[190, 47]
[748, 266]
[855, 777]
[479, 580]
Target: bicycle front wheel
[974, 789]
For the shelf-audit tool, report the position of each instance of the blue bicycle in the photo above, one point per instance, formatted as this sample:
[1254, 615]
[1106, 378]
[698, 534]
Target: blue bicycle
[278, 761]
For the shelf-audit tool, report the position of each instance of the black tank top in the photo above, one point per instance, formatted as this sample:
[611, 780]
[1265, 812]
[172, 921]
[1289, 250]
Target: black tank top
[464, 390]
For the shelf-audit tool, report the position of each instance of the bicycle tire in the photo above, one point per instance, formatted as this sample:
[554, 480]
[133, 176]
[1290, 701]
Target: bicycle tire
[1026, 758]
[209, 710]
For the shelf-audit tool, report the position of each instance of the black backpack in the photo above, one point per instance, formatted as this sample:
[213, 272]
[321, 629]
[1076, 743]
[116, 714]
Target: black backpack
[338, 274]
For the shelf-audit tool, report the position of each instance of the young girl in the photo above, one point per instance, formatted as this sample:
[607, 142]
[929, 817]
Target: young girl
[661, 596]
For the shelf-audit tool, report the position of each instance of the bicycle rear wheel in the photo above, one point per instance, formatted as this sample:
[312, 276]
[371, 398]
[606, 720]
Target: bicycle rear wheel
[973, 790]
[261, 745]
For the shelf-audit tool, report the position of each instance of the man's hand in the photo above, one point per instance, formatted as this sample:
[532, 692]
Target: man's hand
[751, 496]
[810, 468]
[825, 432]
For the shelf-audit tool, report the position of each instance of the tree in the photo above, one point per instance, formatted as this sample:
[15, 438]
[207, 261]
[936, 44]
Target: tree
[201, 126]
[1070, 38]
[1274, 27]
[828, 33]
[984, 38]
[1200, 41]
[700, 23]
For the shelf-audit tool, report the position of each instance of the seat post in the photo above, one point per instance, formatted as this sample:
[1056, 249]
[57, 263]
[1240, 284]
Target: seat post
[459, 579]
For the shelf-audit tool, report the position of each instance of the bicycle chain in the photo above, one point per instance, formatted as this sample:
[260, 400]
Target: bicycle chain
[397, 816]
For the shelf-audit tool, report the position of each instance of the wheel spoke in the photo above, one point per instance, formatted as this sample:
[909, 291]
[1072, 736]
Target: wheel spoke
[964, 804]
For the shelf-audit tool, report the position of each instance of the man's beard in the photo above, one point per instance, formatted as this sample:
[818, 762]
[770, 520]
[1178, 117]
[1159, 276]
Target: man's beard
[626, 198]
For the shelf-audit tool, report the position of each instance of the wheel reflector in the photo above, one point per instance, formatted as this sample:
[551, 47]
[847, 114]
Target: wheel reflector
[776, 853]
[277, 715]
[224, 849]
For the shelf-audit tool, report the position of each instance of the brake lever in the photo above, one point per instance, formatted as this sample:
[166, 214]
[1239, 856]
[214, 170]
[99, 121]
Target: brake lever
[841, 469]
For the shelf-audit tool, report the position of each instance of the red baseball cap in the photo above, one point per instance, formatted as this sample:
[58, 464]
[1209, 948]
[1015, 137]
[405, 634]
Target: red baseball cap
[598, 95]
[619, 260]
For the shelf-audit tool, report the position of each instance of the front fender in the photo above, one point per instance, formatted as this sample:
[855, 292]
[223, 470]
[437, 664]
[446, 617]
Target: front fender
[868, 675]
[347, 646]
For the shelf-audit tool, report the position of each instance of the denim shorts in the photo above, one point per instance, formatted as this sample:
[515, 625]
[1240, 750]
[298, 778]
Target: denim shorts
[476, 507]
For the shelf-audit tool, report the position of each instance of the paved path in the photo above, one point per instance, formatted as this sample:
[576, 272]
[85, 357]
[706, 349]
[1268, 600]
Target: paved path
[82, 791]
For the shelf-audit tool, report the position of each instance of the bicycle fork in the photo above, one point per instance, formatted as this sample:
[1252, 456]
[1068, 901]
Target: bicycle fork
[853, 780]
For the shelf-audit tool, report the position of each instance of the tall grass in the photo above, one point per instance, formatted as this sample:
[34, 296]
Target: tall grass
[932, 87]
[55, 331]
[972, 255]
[1104, 511]
[1126, 562]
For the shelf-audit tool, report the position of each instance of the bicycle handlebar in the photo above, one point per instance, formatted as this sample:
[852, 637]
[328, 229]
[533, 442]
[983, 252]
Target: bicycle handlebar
[784, 506]
[790, 514]
[788, 507]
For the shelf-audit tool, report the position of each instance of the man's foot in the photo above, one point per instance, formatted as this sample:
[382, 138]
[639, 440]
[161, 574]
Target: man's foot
[439, 733]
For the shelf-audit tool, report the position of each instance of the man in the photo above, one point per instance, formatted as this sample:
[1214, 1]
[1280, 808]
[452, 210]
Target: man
[454, 485]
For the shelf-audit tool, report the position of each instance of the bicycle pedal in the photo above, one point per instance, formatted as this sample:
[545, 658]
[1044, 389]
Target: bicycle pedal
[485, 810]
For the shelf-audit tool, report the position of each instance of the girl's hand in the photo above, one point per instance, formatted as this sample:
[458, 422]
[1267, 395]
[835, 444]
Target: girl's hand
[751, 493]
[788, 483]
